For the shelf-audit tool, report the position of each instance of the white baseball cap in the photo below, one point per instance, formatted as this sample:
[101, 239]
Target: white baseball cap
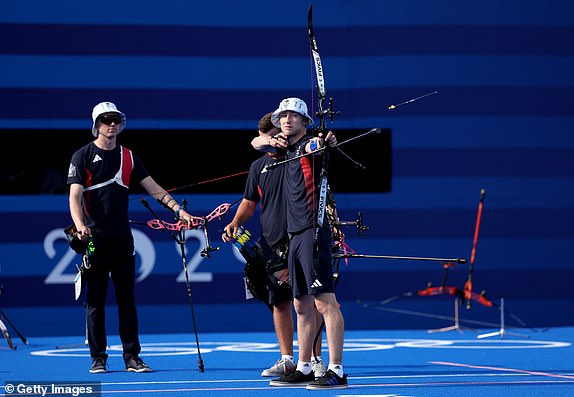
[295, 105]
[106, 107]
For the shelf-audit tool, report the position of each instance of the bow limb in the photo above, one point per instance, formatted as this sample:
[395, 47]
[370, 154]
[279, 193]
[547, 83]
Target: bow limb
[218, 212]
[322, 91]
[454, 291]
[322, 94]
[434, 291]
[196, 221]
[158, 224]
[468, 285]
[322, 113]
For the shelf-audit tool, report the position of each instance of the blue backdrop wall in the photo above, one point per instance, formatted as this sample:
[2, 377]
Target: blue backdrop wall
[502, 121]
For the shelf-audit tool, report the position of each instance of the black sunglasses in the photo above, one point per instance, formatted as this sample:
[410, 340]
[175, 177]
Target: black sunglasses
[108, 119]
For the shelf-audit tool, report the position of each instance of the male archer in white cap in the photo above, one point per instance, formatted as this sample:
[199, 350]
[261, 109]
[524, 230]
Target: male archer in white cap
[99, 177]
[309, 257]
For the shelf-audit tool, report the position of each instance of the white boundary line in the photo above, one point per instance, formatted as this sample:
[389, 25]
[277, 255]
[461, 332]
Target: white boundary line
[515, 370]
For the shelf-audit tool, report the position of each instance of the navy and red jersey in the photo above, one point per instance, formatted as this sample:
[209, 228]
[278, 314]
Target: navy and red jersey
[301, 178]
[267, 189]
[106, 176]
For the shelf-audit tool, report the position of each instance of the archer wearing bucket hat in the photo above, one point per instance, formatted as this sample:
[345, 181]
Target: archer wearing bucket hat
[264, 193]
[310, 243]
[293, 119]
[100, 176]
[103, 109]
[293, 104]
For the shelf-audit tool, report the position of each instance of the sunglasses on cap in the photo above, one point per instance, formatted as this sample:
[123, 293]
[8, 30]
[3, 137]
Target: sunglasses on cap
[108, 119]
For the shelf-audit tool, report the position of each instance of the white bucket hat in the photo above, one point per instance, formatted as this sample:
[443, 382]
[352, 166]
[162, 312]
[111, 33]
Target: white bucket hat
[295, 105]
[106, 107]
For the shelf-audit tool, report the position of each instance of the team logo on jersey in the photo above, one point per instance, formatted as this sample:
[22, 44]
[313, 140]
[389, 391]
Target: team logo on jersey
[96, 158]
[72, 171]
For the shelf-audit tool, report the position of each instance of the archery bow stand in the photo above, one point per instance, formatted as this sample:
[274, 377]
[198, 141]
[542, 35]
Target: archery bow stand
[467, 295]
[460, 296]
[502, 331]
[444, 290]
[5, 330]
[6, 334]
[180, 240]
[456, 326]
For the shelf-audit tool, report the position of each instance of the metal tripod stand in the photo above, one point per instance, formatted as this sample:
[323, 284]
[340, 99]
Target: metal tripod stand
[456, 326]
[7, 334]
[502, 331]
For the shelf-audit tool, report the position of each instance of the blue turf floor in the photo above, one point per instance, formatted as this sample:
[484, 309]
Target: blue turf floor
[379, 363]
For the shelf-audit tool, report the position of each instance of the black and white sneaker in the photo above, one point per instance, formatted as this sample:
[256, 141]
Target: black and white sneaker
[329, 381]
[294, 378]
[99, 366]
[136, 364]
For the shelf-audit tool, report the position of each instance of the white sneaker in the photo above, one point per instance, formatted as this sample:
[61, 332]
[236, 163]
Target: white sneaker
[281, 367]
[319, 368]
